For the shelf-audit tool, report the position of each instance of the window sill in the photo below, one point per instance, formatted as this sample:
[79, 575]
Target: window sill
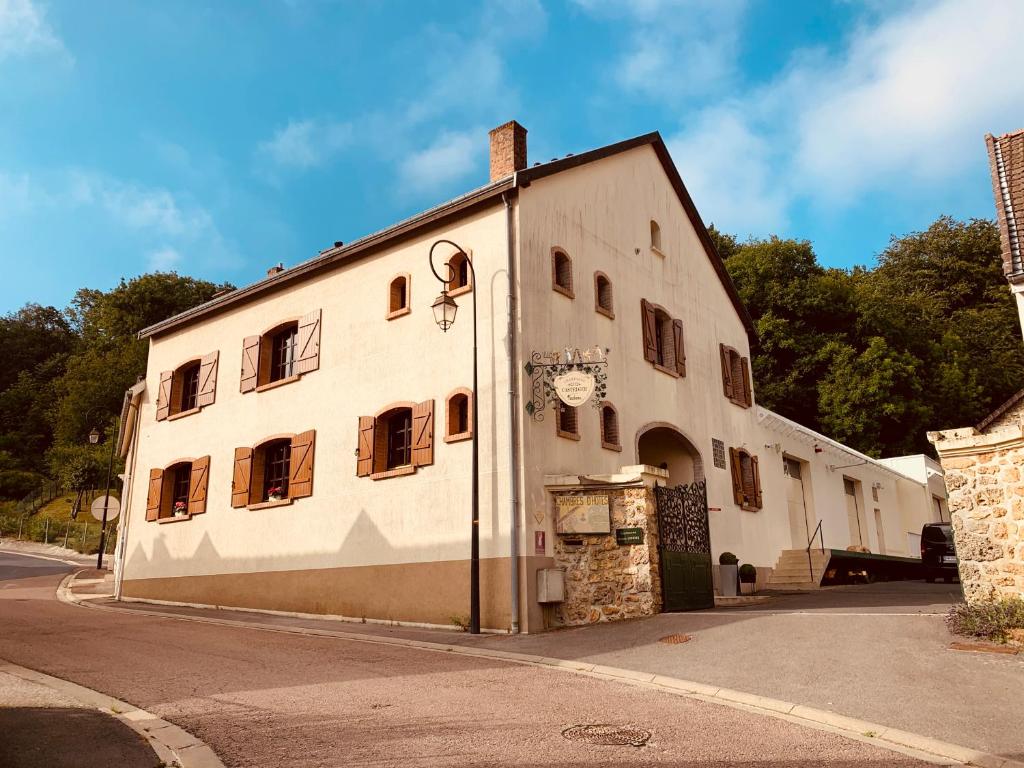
[606, 312]
[278, 383]
[269, 504]
[399, 313]
[407, 469]
[174, 519]
[655, 249]
[461, 290]
[183, 414]
[458, 438]
[749, 508]
[740, 403]
[563, 290]
[611, 446]
[567, 435]
[674, 374]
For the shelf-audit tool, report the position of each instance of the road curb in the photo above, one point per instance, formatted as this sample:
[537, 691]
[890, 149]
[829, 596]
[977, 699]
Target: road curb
[914, 745]
[172, 745]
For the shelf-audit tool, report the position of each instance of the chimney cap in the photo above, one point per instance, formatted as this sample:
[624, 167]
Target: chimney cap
[276, 269]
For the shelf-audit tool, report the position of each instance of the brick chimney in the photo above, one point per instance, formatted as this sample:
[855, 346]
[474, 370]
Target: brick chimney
[275, 270]
[508, 150]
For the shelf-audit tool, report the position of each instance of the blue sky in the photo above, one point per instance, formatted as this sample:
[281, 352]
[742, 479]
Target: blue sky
[217, 139]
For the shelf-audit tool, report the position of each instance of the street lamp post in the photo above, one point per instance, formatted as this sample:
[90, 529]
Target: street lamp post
[444, 308]
[94, 438]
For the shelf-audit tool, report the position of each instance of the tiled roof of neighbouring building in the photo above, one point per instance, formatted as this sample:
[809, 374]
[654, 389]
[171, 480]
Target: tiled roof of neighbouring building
[1006, 158]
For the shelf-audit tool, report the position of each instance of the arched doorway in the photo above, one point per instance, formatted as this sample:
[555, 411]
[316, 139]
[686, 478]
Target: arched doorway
[684, 546]
[660, 444]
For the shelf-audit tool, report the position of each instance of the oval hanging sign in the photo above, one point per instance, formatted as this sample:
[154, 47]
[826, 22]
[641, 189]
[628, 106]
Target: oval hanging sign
[574, 388]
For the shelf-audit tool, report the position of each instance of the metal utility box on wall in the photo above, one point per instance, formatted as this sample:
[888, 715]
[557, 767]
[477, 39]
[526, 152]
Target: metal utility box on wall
[551, 585]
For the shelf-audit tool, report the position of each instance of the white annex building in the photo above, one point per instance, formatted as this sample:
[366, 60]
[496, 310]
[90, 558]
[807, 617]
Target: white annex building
[303, 444]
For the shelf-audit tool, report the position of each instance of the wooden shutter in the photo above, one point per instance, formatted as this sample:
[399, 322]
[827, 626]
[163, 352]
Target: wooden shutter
[748, 398]
[726, 370]
[208, 379]
[650, 335]
[757, 481]
[423, 434]
[364, 462]
[300, 468]
[198, 483]
[677, 338]
[309, 343]
[250, 363]
[737, 475]
[163, 395]
[156, 491]
[241, 480]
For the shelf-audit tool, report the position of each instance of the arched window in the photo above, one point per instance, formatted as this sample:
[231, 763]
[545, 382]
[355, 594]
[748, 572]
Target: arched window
[399, 302]
[178, 491]
[603, 295]
[272, 483]
[187, 388]
[566, 422]
[561, 273]
[279, 352]
[736, 377]
[461, 281]
[393, 435]
[655, 235]
[746, 479]
[458, 416]
[610, 427]
[276, 471]
[178, 478]
[663, 339]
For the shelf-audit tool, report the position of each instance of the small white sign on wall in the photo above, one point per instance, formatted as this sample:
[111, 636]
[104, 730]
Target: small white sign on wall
[575, 387]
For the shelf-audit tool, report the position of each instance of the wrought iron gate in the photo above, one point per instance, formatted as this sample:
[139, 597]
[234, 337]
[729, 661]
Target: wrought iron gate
[684, 546]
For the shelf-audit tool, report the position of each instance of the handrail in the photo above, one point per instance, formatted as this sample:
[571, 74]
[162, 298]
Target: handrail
[810, 543]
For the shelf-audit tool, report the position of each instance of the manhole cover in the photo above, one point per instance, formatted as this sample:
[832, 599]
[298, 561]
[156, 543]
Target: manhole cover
[675, 639]
[608, 735]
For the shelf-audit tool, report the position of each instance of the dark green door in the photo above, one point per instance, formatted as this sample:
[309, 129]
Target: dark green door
[684, 547]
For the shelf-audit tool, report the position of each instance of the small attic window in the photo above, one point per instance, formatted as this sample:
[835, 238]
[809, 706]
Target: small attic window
[655, 236]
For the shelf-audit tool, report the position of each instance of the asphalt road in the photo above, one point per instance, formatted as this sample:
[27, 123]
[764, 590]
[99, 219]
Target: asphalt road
[263, 698]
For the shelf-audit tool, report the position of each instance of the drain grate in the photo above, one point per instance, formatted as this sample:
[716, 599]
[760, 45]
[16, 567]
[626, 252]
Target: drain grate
[608, 735]
[675, 639]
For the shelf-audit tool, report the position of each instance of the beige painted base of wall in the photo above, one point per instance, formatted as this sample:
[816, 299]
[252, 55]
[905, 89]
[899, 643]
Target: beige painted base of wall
[430, 593]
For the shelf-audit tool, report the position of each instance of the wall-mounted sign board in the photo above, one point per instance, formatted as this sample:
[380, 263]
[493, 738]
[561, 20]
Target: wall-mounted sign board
[581, 513]
[627, 536]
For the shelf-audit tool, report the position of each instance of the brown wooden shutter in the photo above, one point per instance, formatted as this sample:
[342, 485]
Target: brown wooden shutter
[677, 338]
[156, 481]
[198, 483]
[208, 379]
[309, 343]
[748, 397]
[241, 480]
[300, 481]
[737, 475]
[364, 463]
[423, 434]
[250, 363]
[163, 395]
[726, 370]
[650, 336]
[757, 481]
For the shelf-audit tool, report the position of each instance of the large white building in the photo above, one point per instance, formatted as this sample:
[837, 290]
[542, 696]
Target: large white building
[331, 382]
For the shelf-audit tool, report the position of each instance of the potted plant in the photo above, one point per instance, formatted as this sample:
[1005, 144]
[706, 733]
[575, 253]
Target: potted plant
[748, 574]
[180, 509]
[275, 494]
[727, 574]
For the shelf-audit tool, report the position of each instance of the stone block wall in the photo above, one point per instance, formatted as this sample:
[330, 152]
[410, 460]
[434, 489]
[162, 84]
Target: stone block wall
[605, 581]
[986, 503]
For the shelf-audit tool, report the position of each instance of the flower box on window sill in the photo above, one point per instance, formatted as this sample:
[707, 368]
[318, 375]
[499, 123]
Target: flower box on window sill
[175, 518]
[269, 504]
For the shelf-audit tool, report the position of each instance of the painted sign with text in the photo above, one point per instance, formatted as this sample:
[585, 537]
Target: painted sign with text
[579, 513]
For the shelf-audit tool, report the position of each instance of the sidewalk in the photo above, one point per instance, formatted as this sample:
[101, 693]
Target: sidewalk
[886, 672]
[51, 551]
[44, 727]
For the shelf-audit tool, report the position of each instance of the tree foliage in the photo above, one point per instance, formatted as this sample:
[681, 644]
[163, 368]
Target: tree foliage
[927, 339]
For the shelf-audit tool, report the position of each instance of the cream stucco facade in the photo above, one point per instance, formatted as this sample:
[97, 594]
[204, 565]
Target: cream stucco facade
[397, 548]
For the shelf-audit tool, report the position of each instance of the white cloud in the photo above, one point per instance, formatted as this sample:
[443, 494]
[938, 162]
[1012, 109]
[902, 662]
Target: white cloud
[304, 144]
[676, 48]
[164, 259]
[449, 158]
[24, 31]
[901, 107]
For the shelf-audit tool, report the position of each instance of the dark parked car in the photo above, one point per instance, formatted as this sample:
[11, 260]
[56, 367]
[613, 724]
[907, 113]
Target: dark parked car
[937, 552]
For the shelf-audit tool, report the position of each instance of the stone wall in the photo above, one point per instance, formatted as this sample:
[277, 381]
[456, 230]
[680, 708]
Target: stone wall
[605, 581]
[986, 503]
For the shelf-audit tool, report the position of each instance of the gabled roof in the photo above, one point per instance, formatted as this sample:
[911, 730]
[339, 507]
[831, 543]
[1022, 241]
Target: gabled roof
[472, 201]
[998, 413]
[1006, 159]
